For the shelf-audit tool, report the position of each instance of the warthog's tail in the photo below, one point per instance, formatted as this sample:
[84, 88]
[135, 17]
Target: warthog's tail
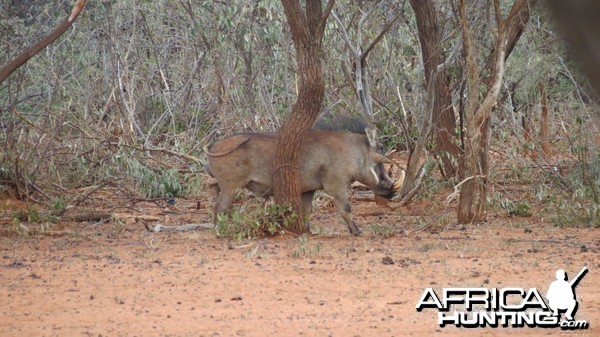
[220, 154]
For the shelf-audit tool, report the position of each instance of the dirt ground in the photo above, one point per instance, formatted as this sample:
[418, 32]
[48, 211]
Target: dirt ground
[114, 278]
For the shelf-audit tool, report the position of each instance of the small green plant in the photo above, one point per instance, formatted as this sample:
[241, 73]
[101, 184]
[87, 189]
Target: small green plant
[152, 183]
[19, 228]
[316, 229]
[255, 222]
[304, 249]
[59, 204]
[426, 247]
[381, 230]
[520, 209]
[30, 214]
[118, 225]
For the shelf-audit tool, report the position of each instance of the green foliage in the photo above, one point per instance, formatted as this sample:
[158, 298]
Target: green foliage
[433, 184]
[32, 214]
[570, 212]
[154, 184]
[256, 221]
[579, 202]
[585, 175]
[520, 209]
[391, 138]
[381, 230]
[59, 204]
[304, 248]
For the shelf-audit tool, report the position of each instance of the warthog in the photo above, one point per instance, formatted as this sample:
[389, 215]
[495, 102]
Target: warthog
[329, 160]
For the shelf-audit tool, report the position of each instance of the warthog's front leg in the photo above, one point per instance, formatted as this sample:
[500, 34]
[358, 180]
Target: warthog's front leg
[346, 211]
[340, 200]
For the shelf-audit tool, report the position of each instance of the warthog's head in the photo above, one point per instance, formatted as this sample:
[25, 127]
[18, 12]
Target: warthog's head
[374, 174]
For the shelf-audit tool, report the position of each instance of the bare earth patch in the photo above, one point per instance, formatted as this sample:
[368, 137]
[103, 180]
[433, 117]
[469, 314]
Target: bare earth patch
[117, 279]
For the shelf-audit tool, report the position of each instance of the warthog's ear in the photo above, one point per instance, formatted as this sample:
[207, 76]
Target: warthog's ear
[371, 136]
[376, 157]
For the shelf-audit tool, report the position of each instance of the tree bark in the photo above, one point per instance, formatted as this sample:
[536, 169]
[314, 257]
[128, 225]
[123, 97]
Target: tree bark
[62, 27]
[544, 124]
[475, 162]
[307, 29]
[430, 38]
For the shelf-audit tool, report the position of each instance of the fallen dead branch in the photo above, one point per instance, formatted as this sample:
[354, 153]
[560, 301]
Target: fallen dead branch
[89, 216]
[155, 228]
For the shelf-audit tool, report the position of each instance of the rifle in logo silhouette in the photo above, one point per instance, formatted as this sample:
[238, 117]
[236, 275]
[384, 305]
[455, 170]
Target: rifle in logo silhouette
[561, 294]
[579, 276]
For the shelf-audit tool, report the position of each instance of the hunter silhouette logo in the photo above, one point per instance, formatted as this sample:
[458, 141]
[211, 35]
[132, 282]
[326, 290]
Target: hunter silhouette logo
[507, 307]
[561, 294]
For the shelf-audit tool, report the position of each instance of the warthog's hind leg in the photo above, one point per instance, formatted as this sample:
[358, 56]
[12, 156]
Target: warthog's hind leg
[224, 202]
[307, 200]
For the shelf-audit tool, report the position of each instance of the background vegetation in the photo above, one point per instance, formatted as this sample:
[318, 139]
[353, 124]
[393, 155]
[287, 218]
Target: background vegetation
[128, 97]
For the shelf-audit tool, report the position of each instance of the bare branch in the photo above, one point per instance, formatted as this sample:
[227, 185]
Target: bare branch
[345, 36]
[62, 27]
[384, 31]
[324, 17]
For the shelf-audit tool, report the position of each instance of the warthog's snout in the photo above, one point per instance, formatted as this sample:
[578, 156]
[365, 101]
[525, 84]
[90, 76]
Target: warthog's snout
[387, 188]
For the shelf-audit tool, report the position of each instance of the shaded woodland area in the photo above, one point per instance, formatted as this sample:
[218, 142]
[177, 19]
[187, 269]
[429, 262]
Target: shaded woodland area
[480, 97]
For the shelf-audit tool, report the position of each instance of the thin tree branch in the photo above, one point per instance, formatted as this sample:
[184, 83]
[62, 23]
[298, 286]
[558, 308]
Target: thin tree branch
[62, 27]
[324, 16]
[345, 36]
[384, 31]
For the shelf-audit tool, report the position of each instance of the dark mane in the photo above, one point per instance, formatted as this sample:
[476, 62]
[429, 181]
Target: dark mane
[350, 124]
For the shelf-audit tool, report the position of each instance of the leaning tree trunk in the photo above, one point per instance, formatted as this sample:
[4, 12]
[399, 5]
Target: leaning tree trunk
[430, 38]
[307, 29]
[474, 162]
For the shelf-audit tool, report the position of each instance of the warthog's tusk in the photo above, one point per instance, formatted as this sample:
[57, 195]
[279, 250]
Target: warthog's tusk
[398, 183]
[375, 175]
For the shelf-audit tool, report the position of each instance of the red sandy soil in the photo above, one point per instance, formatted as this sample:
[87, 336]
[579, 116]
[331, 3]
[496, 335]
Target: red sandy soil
[116, 279]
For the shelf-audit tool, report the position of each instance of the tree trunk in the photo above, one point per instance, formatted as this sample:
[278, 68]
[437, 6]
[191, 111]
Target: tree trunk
[544, 124]
[528, 136]
[475, 160]
[62, 27]
[430, 38]
[307, 29]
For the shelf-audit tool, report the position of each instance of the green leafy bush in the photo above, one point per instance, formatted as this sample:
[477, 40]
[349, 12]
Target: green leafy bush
[255, 221]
